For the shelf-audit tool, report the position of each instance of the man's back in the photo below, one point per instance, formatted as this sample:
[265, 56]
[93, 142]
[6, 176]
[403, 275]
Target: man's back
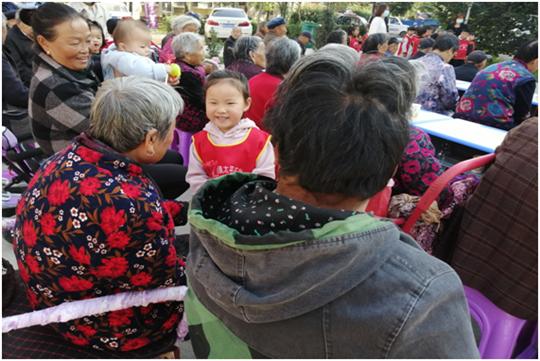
[323, 284]
[466, 72]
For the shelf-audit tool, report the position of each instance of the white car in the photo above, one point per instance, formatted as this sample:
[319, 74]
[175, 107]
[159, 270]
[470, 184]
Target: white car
[223, 20]
[396, 27]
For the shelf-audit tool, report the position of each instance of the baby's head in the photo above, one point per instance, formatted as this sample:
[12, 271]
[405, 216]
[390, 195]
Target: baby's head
[132, 36]
[227, 98]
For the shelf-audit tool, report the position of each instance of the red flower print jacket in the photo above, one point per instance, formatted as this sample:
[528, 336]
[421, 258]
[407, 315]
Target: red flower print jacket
[93, 224]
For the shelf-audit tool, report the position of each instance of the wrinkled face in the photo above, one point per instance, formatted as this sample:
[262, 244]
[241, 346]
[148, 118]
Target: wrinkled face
[71, 46]
[258, 56]
[162, 145]
[281, 30]
[190, 28]
[197, 57]
[225, 105]
[96, 40]
[236, 33]
[138, 43]
[383, 47]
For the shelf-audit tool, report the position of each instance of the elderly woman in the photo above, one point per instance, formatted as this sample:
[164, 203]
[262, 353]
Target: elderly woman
[300, 256]
[63, 86]
[373, 48]
[249, 56]
[439, 93]
[92, 223]
[189, 52]
[347, 53]
[338, 36]
[63, 89]
[179, 25]
[281, 54]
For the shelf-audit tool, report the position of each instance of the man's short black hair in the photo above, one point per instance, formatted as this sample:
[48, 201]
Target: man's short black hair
[445, 42]
[528, 51]
[337, 129]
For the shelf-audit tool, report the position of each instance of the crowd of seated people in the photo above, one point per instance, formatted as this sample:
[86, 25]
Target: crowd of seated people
[282, 153]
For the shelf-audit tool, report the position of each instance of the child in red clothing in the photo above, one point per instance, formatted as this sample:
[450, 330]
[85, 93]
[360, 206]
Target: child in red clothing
[466, 46]
[229, 142]
[409, 46]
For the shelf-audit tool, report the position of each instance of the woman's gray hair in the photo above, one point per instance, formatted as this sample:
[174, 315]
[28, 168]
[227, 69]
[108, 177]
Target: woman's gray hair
[180, 22]
[343, 51]
[281, 54]
[126, 109]
[244, 45]
[185, 43]
[402, 87]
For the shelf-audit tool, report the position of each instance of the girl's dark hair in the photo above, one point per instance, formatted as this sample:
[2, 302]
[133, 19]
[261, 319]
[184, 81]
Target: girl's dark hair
[346, 121]
[95, 24]
[373, 41]
[528, 51]
[446, 42]
[237, 80]
[380, 10]
[338, 36]
[49, 15]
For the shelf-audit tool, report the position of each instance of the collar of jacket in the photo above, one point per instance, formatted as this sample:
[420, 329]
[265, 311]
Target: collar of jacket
[90, 81]
[283, 274]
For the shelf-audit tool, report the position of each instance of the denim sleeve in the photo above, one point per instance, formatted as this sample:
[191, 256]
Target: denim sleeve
[449, 95]
[438, 324]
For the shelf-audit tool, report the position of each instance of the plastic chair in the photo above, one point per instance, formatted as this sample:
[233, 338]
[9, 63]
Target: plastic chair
[531, 351]
[440, 183]
[500, 330]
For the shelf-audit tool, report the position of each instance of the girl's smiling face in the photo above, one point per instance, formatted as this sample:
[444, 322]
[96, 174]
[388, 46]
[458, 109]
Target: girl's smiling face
[225, 105]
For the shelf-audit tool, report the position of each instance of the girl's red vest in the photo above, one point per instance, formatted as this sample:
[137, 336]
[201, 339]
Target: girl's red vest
[218, 160]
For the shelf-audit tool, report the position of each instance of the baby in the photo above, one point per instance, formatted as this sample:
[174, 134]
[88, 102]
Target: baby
[130, 55]
[229, 142]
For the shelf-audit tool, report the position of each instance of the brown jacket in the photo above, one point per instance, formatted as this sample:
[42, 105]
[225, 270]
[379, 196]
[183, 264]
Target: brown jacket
[497, 247]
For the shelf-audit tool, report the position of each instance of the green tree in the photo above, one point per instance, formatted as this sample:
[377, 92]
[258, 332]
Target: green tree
[328, 24]
[400, 9]
[500, 28]
[214, 44]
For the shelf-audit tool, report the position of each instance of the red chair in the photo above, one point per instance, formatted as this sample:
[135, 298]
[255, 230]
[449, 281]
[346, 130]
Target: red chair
[440, 183]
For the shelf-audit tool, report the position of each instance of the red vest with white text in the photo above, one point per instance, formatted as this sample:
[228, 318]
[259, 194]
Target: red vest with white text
[218, 160]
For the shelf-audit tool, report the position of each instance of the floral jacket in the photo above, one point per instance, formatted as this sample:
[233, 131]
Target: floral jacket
[93, 224]
[439, 94]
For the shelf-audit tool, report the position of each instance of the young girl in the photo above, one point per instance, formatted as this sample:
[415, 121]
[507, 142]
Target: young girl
[229, 142]
[97, 43]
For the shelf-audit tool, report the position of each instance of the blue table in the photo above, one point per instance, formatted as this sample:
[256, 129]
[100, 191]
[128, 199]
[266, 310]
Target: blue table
[469, 134]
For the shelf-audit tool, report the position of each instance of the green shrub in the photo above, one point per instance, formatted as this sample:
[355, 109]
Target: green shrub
[214, 44]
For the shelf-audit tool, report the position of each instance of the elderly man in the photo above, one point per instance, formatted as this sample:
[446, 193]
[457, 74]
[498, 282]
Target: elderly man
[277, 28]
[304, 39]
[20, 40]
[476, 61]
[228, 48]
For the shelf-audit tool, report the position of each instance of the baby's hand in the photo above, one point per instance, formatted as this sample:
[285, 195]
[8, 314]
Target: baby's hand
[173, 81]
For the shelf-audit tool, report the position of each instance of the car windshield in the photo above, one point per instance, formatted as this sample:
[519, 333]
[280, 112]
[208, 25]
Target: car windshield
[229, 13]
